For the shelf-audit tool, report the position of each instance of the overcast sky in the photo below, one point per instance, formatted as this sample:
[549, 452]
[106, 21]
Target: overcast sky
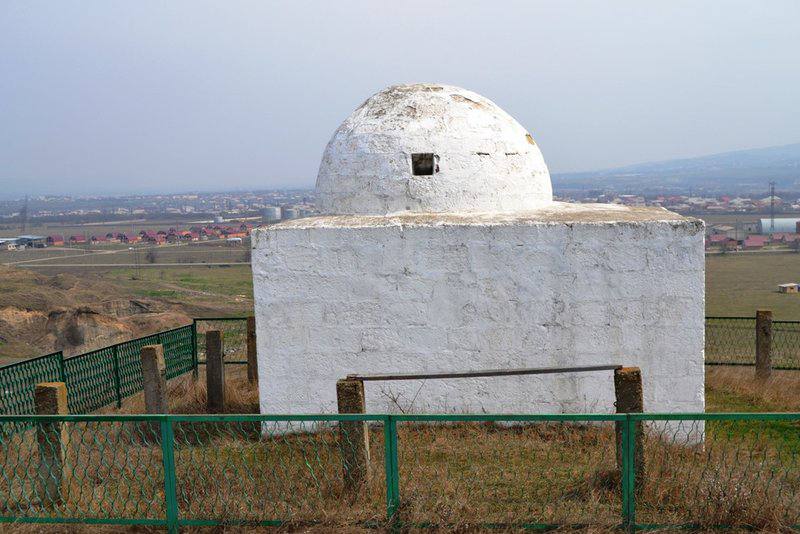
[153, 96]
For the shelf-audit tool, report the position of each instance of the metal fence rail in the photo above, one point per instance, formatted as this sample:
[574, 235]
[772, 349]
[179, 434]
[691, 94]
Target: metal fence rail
[465, 471]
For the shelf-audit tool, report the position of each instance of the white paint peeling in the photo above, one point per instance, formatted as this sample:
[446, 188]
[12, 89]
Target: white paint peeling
[487, 160]
[335, 300]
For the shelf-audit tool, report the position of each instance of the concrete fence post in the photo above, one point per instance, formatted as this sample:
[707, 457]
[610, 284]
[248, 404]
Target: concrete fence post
[50, 398]
[215, 372]
[353, 435]
[763, 343]
[154, 379]
[630, 399]
[252, 354]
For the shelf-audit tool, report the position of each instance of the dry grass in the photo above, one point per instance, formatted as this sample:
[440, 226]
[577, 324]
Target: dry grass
[737, 389]
[187, 395]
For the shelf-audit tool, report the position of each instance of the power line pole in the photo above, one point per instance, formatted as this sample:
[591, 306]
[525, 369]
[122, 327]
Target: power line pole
[23, 215]
[772, 207]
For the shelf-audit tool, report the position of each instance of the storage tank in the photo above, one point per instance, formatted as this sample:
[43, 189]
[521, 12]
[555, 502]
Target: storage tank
[289, 213]
[271, 214]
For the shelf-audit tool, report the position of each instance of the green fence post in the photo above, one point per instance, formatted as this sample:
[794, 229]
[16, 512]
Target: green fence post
[117, 379]
[170, 485]
[62, 372]
[392, 470]
[194, 349]
[628, 478]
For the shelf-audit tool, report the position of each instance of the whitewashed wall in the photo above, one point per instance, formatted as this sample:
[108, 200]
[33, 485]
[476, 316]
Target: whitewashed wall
[336, 297]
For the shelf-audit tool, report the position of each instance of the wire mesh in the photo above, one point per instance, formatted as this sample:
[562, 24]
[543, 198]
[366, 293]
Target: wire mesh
[234, 337]
[731, 340]
[90, 380]
[731, 472]
[178, 350]
[94, 379]
[17, 384]
[275, 472]
[111, 470]
[786, 344]
[709, 470]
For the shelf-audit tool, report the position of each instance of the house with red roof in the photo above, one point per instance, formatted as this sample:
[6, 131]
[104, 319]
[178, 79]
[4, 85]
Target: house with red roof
[720, 240]
[129, 238]
[755, 242]
[786, 238]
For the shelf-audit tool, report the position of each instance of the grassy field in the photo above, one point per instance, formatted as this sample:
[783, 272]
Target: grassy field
[67, 229]
[738, 284]
[216, 251]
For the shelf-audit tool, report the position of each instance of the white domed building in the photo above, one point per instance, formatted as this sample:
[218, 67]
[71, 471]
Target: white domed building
[433, 149]
[440, 249]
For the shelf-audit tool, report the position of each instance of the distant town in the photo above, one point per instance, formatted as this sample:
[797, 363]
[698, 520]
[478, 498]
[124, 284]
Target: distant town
[733, 222]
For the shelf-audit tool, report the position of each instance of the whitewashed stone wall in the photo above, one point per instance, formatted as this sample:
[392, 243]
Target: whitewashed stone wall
[337, 296]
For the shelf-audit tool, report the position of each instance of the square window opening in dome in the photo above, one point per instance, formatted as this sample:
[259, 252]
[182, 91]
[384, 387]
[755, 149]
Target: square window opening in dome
[424, 164]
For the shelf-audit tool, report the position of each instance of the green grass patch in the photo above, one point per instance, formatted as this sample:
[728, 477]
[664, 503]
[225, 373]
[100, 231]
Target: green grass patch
[785, 434]
[158, 293]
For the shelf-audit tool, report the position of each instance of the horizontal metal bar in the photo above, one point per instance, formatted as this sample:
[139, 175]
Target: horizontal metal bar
[29, 360]
[199, 418]
[732, 416]
[86, 520]
[243, 523]
[238, 318]
[421, 418]
[232, 362]
[742, 364]
[486, 372]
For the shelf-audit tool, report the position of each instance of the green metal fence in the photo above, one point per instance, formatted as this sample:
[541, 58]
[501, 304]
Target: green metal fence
[732, 341]
[97, 378]
[108, 375]
[447, 471]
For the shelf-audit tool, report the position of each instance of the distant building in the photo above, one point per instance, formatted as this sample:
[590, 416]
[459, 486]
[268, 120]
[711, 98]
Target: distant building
[33, 241]
[720, 240]
[271, 214]
[788, 288]
[755, 242]
[55, 240]
[786, 238]
[8, 243]
[784, 224]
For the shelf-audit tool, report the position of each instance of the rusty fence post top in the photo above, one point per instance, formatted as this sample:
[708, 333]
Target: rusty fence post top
[51, 385]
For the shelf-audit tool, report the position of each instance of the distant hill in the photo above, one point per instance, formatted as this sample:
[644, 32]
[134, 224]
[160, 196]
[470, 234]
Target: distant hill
[739, 171]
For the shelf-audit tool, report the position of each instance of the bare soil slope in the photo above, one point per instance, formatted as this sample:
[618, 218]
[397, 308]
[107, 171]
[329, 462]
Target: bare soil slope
[41, 314]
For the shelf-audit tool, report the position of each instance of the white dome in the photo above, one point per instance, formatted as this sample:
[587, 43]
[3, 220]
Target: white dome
[431, 148]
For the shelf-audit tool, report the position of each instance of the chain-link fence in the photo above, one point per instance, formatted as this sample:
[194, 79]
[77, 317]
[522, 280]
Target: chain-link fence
[732, 341]
[234, 334]
[97, 378]
[446, 471]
